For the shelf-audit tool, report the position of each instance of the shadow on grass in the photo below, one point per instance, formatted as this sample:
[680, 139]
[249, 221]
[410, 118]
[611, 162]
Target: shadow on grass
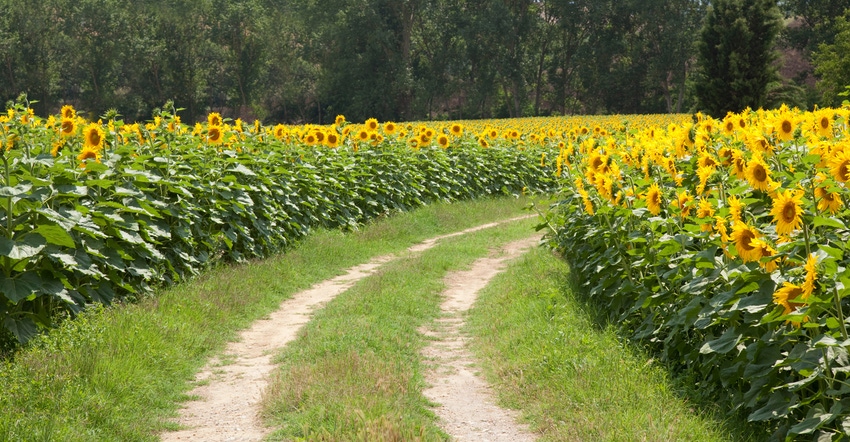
[684, 383]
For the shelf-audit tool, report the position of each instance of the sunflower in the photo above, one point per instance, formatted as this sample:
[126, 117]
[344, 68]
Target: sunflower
[739, 164]
[787, 211]
[174, 125]
[729, 124]
[371, 124]
[839, 165]
[808, 286]
[332, 140]
[320, 136]
[720, 228]
[605, 186]
[58, 145]
[214, 119]
[94, 136]
[89, 153]
[588, 204]
[68, 127]
[339, 120]
[725, 155]
[653, 199]
[456, 129]
[390, 128]
[310, 139]
[706, 160]
[215, 135]
[704, 173]
[443, 140]
[483, 142]
[766, 251]
[279, 131]
[743, 235]
[705, 209]
[683, 203]
[68, 111]
[828, 200]
[362, 135]
[784, 126]
[823, 123]
[786, 295]
[413, 142]
[756, 142]
[758, 174]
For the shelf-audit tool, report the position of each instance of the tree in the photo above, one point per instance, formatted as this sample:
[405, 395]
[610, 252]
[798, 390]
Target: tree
[735, 55]
[832, 64]
[667, 35]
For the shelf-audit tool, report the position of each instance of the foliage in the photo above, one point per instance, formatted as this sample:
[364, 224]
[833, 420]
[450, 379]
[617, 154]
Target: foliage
[722, 246]
[735, 53]
[833, 67]
[308, 61]
[93, 212]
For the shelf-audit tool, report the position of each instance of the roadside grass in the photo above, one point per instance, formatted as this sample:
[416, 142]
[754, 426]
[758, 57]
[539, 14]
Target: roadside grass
[573, 379]
[356, 371]
[119, 373]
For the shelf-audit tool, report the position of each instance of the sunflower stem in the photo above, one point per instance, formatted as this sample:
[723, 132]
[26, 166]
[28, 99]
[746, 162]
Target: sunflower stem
[840, 312]
[7, 261]
[806, 237]
[829, 374]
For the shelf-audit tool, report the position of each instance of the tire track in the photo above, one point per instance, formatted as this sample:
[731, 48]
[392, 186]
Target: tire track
[229, 387]
[466, 407]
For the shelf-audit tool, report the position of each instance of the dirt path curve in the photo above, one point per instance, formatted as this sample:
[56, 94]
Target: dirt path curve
[230, 386]
[466, 407]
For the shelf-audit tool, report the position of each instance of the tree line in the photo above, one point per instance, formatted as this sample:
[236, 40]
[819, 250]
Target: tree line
[309, 60]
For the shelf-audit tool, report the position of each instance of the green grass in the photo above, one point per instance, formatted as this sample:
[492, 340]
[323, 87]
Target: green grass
[573, 379]
[120, 373]
[355, 372]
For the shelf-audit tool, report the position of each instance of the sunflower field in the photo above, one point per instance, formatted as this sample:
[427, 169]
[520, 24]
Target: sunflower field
[98, 211]
[723, 246]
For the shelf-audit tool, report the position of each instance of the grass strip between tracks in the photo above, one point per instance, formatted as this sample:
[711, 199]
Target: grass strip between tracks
[356, 370]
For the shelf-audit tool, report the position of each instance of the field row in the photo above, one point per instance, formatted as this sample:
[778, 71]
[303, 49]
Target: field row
[721, 244]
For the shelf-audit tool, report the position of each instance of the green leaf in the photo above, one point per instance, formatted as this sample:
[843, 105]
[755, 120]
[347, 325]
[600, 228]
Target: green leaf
[811, 424]
[240, 168]
[832, 323]
[55, 235]
[777, 406]
[23, 328]
[20, 286]
[831, 251]
[13, 191]
[27, 246]
[723, 344]
[66, 219]
[829, 222]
